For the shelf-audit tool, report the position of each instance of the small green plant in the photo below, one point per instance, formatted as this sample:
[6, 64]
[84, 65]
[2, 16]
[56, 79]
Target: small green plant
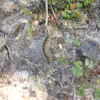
[62, 60]
[89, 63]
[55, 9]
[80, 90]
[19, 38]
[97, 93]
[49, 1]
[30, 28]
[64, 14]
[80, 5]
[25, 10]
[78, 69]
[68, 14]
[77, 43]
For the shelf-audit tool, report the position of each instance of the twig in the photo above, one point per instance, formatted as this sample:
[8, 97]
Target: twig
[37, 68]
[46, 6]
[68, 96]
[55, 17]
[42, 73]
[46, 23]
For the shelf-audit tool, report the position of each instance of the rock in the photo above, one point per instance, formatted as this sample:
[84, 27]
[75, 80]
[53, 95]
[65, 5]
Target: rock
[69, 26]
[57, 55]
[80, 26]
[77, 33]
[90, 49]
[36, 22]
[80, 56]
[2, 42]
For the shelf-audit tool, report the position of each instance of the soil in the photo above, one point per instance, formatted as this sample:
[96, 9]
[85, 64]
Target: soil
[42, 68]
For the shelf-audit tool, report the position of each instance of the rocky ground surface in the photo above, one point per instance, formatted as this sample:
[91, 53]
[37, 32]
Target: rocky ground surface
[30, 70]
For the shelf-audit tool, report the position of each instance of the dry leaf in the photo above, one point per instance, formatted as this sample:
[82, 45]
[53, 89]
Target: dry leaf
[73, 6]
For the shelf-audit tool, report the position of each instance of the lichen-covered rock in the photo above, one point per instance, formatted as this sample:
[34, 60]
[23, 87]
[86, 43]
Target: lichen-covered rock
[91, 49]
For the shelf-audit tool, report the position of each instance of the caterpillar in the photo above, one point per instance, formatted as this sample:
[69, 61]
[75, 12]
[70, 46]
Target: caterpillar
[46, 49]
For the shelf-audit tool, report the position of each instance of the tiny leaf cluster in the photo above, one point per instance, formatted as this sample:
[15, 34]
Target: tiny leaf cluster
[77, 43]
[30, 28]
[62, 60]
[89, 63]
[97, 93]
[78, 69]
[70, 9]
[80, 90]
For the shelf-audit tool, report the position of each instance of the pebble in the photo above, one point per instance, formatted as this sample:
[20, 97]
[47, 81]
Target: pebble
[77, 33]
[60, 46]
[70, 26]
[76, 26]
[57, 55]
[36, 22]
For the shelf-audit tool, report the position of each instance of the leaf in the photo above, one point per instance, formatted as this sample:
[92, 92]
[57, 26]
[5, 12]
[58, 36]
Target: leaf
[67, 6]
[69, 11]
[98, 90]
[96, 95]
[87, 62]
[82, 86]
[75, 63]
[68, 16]
[77, 43]
[55, 9]
[80, 62]
[90, 66]
[25, 10]
[30, 33]
[80, 91]
[30, 29]
[79, 73]
[79, 68]
[64, 14]
[75, 70]
[91, 61]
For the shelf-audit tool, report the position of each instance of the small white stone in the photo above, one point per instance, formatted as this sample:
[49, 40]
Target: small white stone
[60, 46]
